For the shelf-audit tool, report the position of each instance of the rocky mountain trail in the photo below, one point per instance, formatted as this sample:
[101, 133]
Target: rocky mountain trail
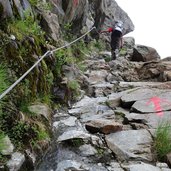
[112, 127]
[77, 109]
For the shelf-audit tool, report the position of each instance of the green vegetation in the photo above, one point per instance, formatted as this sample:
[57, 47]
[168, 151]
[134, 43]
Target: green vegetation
[123, 51]
[97, 45]
[41, 4]
[24, 128]
[76, 142]
[74, 86]
[2, 143]
[33, 2]
[23, 131]
[3, 146]
[24, 108]
[42, 135]
[22, 56]
[63, 56]
[162, 142]
[26, 27]
[100, 151]
[3, 78]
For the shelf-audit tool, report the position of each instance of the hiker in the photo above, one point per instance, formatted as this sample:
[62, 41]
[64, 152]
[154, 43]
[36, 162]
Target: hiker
[116, 38]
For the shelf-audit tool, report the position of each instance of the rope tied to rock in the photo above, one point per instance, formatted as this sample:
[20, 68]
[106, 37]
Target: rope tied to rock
[37, 62]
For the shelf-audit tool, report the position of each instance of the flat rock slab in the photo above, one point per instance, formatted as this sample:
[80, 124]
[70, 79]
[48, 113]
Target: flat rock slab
[159, 103]
[147, 99]
[99, 115]
[134, 144]
[103, 126]
[97, 76]
[69, 165]
[137, 94]
[87, 150]
[145, 167]
[152, 120]
[40, 110]
[72, 134]
[145, 84]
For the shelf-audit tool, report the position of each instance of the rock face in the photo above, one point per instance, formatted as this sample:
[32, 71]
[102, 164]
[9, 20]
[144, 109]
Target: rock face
[101, 13]
[40, 110]
[7, 8]
[144, 53]
[50, 24]
[16, 161]
[106, 12]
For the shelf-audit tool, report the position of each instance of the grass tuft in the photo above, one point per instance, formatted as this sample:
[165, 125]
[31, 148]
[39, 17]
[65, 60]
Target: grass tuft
[162, 142]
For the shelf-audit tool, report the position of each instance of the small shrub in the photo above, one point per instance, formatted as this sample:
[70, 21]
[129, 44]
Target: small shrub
[100, 151]
[162, 142]
[97, 45]
[24, 108]
[63, 57]
[33, 2]
[26, 27]
[41, 4]
[42, 135]
[3, 79]
[82, 66]
[21, 133]
[74, 87]
[80, 50]
[76, 142]
[2, 144]
[67, 32]
[123, 52]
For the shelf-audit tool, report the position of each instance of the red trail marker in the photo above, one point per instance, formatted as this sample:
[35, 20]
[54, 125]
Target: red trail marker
[157, 104]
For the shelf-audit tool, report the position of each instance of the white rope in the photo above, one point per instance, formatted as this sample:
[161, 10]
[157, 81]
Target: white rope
[42, 57]
[74, 40]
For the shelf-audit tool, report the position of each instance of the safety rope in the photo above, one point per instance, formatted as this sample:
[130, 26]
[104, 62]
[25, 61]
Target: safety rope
[41, 58]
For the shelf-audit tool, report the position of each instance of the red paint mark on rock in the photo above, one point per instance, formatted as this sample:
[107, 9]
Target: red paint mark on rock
[157, 104]
[75, 2]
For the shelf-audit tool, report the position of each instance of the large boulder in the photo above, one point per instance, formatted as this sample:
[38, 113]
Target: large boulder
[144, 54]
[8, 9]
[155, 70]
[74, 12]
[50, 25]
[16, 161]
[5, 9]
[106, 12]
[82, 13]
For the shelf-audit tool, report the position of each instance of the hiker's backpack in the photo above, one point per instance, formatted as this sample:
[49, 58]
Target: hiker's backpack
[118, 26]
